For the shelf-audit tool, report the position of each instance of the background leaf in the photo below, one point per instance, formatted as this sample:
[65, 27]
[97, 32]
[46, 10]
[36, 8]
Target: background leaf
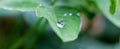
[21, 5]
[64, 21]
[104, 6]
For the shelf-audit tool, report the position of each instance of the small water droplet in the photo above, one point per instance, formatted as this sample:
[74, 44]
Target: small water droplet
[65, 14]
[60, 24]
[78, 14]
[70, 14]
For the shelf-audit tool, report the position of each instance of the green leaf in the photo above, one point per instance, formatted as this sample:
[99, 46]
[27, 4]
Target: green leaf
[113, 6]
[104, 6]
[64, 21]
[21, 5]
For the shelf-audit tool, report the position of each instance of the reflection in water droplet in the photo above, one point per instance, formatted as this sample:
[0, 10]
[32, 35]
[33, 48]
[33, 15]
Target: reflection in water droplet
[60, 24]
[70, 14]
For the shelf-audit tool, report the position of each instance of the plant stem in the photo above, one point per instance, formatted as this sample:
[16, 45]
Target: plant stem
[34, 41]
[17, 28]
[25, 37]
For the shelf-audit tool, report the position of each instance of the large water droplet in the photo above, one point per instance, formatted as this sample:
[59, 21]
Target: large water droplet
[60, 24]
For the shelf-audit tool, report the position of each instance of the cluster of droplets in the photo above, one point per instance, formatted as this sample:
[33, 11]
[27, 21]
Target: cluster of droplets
[61, 24]
[70, 14]
[67, 14]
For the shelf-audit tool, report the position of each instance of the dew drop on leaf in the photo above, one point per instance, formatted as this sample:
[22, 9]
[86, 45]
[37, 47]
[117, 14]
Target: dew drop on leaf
[78, 14]
[70, 14]
[65, 14]
[60, 24]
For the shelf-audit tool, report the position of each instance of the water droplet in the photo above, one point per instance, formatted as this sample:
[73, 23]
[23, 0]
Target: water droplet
[60, 24]
[65, 14]
[78, 14]
[70, 14]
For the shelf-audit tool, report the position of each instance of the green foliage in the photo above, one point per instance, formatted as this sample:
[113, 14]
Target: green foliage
[71, 23]
[21, 5]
